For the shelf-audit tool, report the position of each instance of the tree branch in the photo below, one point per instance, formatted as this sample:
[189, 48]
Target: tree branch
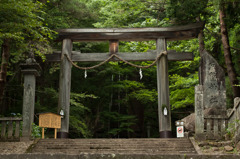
[234, 48]
[217, 37]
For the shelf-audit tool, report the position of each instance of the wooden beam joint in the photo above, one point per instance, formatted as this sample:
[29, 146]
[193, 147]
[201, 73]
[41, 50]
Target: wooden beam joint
[113, 46]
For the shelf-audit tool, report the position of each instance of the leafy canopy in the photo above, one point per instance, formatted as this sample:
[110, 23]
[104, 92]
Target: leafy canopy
[22, 22]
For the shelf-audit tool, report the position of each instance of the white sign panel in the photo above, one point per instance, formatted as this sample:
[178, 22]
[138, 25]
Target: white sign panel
[180, 131]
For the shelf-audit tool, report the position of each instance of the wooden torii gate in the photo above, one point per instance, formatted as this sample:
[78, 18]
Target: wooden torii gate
[161, 35]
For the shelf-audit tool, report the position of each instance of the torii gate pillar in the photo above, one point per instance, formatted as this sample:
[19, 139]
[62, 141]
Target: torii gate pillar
[65, 88]
[165, 129]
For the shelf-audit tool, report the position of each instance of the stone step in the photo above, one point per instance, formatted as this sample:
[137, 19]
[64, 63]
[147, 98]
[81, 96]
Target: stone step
[108, 147]
[118, 156]
[114, 141]
[119, 146]
[130, 151]
[117, 143]
[118, 140]
[173, 145]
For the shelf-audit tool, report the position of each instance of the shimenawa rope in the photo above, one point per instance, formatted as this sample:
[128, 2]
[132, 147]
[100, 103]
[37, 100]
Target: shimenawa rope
[112, 56]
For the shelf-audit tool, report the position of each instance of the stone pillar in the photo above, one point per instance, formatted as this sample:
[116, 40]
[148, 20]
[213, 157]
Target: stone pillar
[65, 87]
[199, 115]
[30, 70]
[165, 129]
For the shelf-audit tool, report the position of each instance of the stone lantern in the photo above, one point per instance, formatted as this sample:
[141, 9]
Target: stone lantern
[30, 70]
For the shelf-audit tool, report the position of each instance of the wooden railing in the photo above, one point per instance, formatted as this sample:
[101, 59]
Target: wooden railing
[10, 128]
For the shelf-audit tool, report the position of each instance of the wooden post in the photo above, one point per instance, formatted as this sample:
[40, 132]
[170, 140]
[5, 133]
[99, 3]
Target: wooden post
[65, 87]
[165, 129]
[42, 133]
[55, 133]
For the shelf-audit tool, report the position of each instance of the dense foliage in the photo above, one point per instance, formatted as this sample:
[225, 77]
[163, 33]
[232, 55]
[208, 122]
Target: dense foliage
[112, 101]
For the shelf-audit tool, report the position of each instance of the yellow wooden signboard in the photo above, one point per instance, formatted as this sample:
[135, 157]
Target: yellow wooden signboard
[49, 120]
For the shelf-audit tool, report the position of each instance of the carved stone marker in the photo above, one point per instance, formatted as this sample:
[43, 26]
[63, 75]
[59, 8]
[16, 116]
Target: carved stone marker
[210, 94]
[212, 77]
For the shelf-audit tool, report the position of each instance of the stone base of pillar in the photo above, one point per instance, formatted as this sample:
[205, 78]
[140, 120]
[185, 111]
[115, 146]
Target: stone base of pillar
[165, 134]
[62, 135]
[200, 137]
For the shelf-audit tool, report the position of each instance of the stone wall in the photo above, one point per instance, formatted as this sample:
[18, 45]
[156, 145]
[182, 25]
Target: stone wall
[234, 120]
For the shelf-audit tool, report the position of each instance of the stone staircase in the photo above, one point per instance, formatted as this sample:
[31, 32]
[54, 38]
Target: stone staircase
[114, 146]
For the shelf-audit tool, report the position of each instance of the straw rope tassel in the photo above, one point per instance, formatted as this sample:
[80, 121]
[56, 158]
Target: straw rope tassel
[85, 74]
[140, 73]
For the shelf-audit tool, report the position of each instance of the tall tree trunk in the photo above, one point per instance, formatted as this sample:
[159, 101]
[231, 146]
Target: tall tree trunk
[201, 48]
[201, 40]
[3, 71]
[227, 54]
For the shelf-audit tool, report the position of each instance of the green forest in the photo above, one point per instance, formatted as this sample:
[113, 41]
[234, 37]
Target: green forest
[112, 101]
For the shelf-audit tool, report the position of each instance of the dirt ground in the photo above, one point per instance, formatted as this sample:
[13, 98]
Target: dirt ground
[215, 147]
[14, 147]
